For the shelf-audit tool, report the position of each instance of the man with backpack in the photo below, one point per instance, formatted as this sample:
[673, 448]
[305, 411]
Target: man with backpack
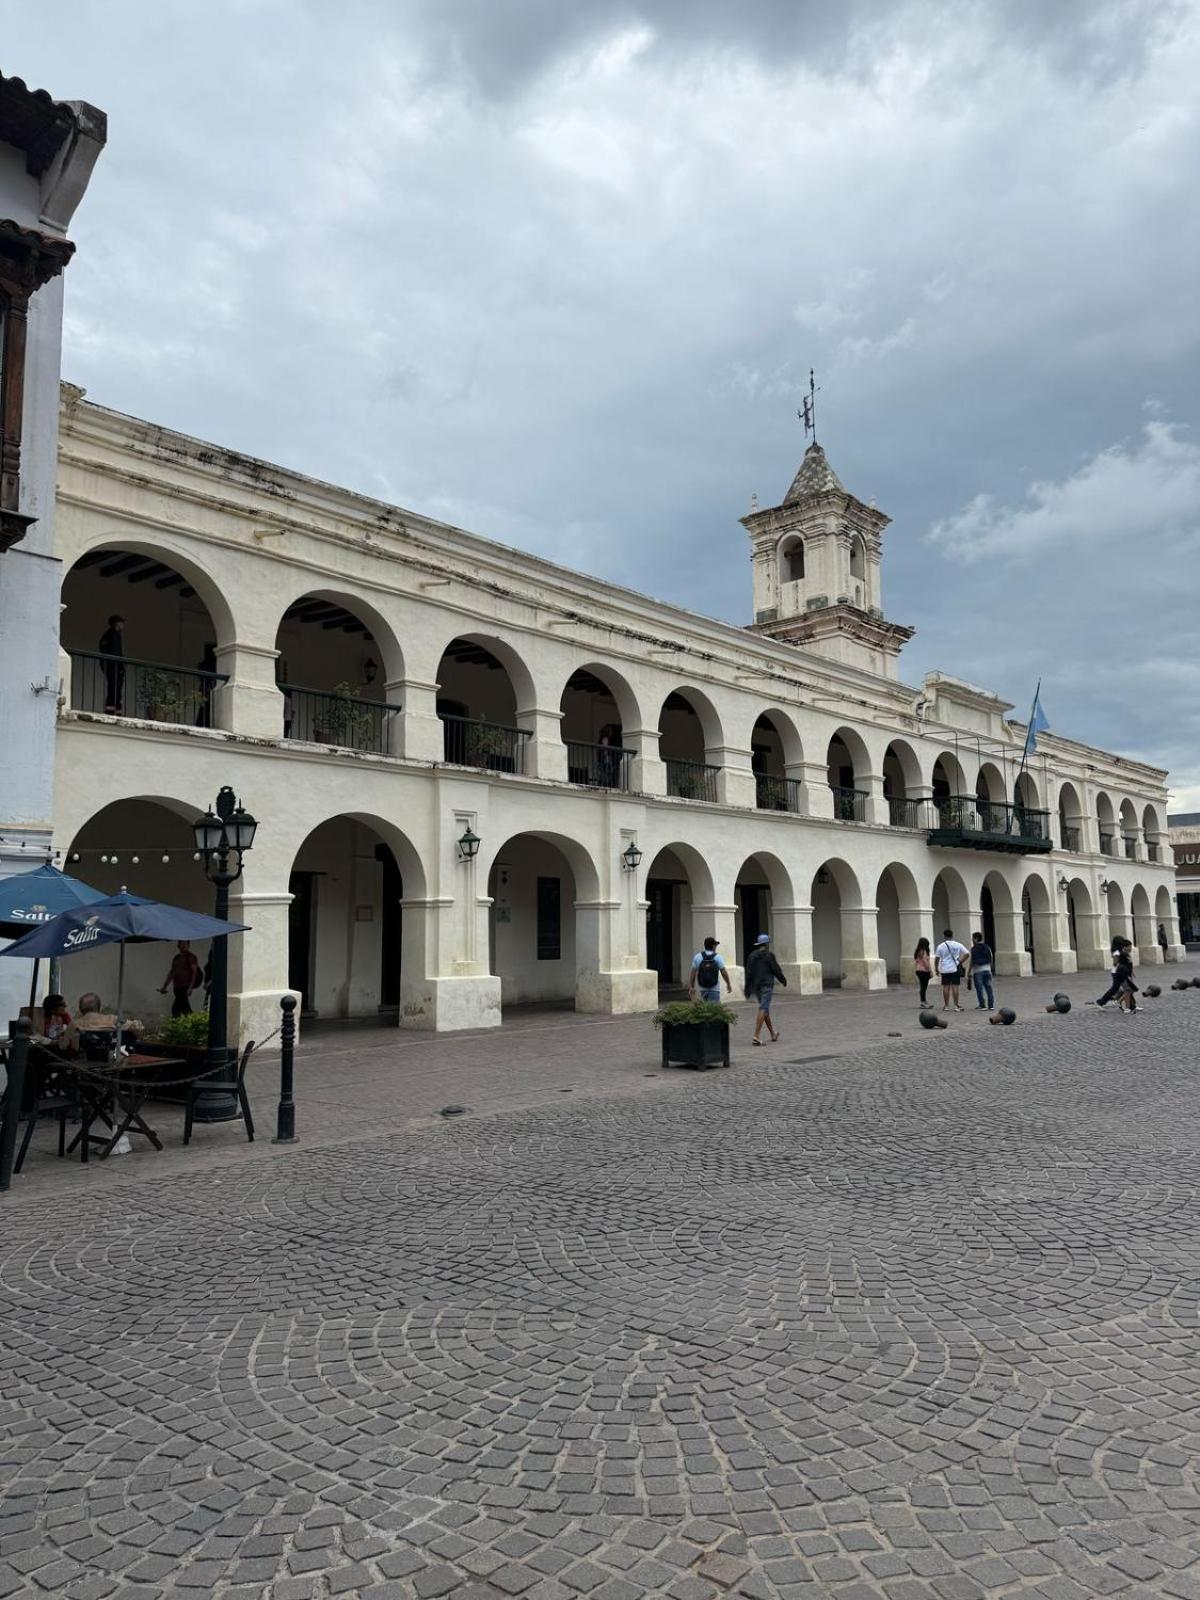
[708, 968]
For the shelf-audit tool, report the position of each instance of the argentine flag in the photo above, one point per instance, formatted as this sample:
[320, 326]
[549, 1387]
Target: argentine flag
[1038, 722]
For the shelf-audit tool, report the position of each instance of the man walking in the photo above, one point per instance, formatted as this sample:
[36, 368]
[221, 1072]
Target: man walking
[950, 956]
[708, 968]
[981, 971]
[184, 976]
[763, 972]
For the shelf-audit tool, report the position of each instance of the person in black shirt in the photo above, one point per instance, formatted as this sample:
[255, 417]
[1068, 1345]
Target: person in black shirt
[111, 644]
[1122, 985]
[981, 971]
[762, 974]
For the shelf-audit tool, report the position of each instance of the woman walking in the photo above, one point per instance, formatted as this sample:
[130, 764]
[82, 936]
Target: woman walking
[762, 974]
[923, 964]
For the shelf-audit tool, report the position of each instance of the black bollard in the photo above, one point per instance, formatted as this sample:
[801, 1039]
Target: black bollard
[1060, 1003]
[1196, 983]
[1152, 990]
[1181, 983]
[1059, 995]
[14, 1095]
[285, 1126]
[929, 1019]
[1004, 1018]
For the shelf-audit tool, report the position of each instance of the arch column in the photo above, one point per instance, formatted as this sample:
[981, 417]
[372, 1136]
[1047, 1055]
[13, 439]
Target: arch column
[1052, 943]
[258, 962]
[816, 786]
[735, 780]
[1176, 949]
[1012, 958]
[721, 922]
[792, 941]
[648, 773]
[1092, 951]
[545, 752]
[915, 923]
[610, 978]
[250, 703]
[1145, 929]
[417, 731]
[458, 990]
[862, 966]
[875, 807]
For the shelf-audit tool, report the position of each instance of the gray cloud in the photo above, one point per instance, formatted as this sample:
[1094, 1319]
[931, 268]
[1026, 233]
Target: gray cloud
[557, 270]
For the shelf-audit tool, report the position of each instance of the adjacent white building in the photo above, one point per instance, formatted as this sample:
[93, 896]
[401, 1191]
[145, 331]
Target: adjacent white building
[47, 151]
[380, 688]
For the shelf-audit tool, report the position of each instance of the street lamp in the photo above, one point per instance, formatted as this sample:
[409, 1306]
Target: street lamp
[1063, 885]
[631, 856]
[468, 845]
[222, 835]
[1103, 885]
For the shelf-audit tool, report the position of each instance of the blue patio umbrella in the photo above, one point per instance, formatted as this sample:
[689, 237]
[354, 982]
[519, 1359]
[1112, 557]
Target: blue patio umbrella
[118, 919]
[30, 899]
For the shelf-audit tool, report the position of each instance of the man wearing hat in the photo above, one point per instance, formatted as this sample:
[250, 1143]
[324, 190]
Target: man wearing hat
[763, 972]
[708, 968]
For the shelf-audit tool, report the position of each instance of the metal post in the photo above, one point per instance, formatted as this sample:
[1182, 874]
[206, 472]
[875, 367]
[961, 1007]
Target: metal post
[14, 1094]
[285, 1125]
[224, 1107]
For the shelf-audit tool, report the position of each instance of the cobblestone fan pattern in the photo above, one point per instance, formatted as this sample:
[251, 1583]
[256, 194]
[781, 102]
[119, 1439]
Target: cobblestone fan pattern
[916, 1325]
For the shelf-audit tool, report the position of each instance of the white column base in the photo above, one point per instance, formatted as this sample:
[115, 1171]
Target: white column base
[868, 973]
[1056, 961]
[1093, 958]
[1011, 964]
[1149, 955]
[804, 977]
[1176, 952]
[448, 1005]
[616, 994]
[255, 1013]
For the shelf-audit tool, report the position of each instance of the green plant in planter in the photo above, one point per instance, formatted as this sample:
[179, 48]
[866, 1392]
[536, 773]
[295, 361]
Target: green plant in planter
[187, 1032]
[344, 722]
[161, 697]
[681, 1012]
[485, 740]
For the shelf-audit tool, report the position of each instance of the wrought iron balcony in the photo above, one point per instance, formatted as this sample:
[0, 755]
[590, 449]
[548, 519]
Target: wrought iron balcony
[967, 823]
[598, 766]
[119, 686]
[692, 780]
[1072, 839]
[483, 744]
[904, 813]
[1131, 848]
[1153, 851]
[850, 805]
[777, 794]
[345, 720]
[1108, 844]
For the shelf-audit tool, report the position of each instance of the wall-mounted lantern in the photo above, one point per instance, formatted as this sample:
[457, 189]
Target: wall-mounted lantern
[468, 845]
[631, 856]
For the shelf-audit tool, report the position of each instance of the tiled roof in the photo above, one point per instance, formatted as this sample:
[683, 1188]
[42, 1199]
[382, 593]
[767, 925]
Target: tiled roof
[816, 476]
[33, 122]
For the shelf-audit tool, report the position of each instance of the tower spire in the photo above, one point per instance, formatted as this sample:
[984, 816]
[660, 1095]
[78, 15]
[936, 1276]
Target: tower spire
[808, 408]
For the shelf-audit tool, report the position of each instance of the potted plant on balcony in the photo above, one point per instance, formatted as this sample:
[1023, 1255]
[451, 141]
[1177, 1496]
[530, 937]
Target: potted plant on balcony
[343, 722]
[695, 1033]
[160, 696]
[489, 746]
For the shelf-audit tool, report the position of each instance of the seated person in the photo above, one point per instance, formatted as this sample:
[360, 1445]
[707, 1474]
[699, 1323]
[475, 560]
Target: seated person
[56, 1019]
[92, 1018]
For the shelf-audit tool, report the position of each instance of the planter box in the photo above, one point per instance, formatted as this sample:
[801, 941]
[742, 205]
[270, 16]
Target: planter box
[695, 1044]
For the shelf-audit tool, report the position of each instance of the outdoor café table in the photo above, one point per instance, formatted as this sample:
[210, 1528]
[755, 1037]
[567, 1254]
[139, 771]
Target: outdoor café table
[115, 1094]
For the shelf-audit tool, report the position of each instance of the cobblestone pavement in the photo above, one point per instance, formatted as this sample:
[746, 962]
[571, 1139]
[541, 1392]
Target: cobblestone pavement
[918, 1322]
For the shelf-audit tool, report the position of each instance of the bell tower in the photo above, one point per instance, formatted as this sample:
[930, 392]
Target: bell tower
[816, 564]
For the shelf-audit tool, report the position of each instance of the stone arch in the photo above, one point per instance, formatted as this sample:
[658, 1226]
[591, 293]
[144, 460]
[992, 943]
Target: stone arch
[1083, 924]
[947, 777]
[844, 930]
[334, 616]
[1152, 827]
[346, 964]
[1106, 822]
[1127, 819]
[1070, 819]
[697, 702]
[680, 896]
[990, 788]
[1026, 792]
[900, 919]
[1000, 924]
[1165, 918]
[690, 735]
[544, 931]
[858, 559]
[848, 767]
[485, 695]
[338, 663]
[1037, 915]
[176, 624]
[790, 555]
[1142, 918]
[1118, 917]
[765, 898]
[951, 905]
[777, 761]
[616, 687]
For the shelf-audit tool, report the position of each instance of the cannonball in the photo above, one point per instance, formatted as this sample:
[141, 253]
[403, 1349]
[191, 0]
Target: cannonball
[1062, 1003]
[1181, 983]
[1196, 983]
[1059, 995]
[1005, 1017]
[928, 1020]
[1152, 990]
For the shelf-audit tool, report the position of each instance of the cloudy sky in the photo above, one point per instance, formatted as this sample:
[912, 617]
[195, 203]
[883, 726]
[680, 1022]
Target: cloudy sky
[556, 270]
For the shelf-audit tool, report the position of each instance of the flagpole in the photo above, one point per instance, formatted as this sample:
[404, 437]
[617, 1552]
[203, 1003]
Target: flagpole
[1012, 813]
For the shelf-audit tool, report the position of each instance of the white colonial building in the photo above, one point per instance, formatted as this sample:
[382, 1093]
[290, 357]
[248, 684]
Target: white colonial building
[376, 686]
[47, 151]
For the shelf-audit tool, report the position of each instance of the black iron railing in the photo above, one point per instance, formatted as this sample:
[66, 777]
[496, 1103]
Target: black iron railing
[904, 813]
[490, 745]
[345, 720]
[849, 805]
[1108, 844]
[1131, 848]
[1072, 838]
[692, 780]
[968, 822]
[598, 766]
[1153, 851]
[777, 794]
[152, 690]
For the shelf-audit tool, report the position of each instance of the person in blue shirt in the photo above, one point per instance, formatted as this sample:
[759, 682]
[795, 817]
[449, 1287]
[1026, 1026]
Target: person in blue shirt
[981, 971]
[708, 968]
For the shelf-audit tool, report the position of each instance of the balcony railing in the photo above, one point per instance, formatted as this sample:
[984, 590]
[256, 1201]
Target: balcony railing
[692, 780]
[1131, 848]
[1108, 844]
[484, 744]
[1072, 838]
[777, 794]
[345, 720]
[598, 766]
[903, 813]
[850, 805]
[1153, 851]
[966, 822]
[152, 690]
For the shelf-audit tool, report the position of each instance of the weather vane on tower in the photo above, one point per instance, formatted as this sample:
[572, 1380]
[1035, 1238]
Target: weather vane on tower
[808, 409]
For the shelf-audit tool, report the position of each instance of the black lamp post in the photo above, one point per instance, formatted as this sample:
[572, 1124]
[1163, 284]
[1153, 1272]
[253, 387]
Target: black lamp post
[222, 837]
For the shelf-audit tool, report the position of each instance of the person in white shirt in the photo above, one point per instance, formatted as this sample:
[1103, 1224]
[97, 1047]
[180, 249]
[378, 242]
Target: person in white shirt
[950, 956]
